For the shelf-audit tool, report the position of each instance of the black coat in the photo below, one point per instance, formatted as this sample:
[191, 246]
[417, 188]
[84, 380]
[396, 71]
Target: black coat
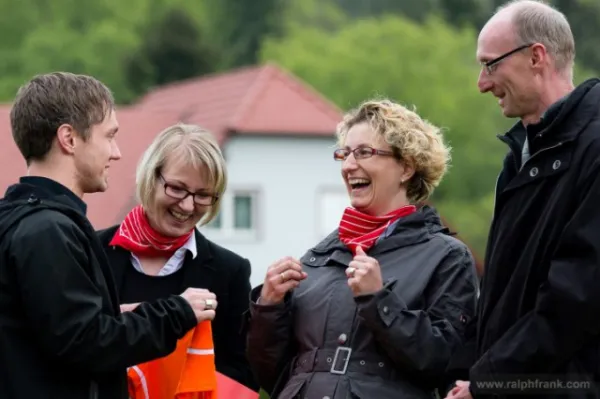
[539, 310]
[61, 332]
[402, 339]
[220, 271]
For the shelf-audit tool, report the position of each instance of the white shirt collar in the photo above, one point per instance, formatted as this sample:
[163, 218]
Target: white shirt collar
[176, 261]
[190, 244]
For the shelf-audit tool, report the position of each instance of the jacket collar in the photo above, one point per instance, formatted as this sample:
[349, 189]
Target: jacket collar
[45, 189]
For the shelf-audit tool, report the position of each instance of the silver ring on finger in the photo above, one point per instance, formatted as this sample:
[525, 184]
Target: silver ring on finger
[209, 305]
[351, 271]
[282, 275]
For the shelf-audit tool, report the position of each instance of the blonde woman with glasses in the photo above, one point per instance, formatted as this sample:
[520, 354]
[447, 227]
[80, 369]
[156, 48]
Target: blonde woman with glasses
[157, 251]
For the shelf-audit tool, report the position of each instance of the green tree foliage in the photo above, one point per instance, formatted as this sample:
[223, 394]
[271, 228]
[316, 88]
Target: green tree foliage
[173, 49]
[584, 16]
[457, 12]
[63, 35]
[239, 26]
[95, 38]
[321, 14]
[466, 12]
[416, 10]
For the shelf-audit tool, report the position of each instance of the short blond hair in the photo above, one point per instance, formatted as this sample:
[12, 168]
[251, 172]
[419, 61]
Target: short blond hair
[191, 144]
[413, 139]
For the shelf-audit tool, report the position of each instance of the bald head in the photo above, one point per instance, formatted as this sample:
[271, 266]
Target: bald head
[530, 21]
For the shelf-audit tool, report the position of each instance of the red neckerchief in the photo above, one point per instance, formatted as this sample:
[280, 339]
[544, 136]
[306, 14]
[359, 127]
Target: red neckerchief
[359, 229]
[137, 236]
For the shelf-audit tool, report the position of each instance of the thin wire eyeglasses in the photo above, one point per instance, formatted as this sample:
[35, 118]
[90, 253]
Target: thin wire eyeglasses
[341, 154]
[490, 66]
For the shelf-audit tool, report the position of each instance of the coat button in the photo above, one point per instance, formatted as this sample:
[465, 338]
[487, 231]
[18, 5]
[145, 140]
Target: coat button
[556, 164]
[342, 339]
[386, 310]
[533, 172]
[313, 259]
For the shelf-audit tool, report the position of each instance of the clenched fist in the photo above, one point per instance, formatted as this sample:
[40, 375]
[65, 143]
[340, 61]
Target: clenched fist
[364, 274]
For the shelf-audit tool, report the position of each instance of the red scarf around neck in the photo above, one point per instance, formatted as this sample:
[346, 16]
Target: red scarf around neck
[137, 236]
[359, 229]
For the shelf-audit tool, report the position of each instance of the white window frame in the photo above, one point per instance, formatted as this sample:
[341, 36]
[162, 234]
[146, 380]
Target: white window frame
[227, 231]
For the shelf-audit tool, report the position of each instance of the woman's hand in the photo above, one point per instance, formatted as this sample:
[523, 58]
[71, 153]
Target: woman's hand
[364, 274]
[282, 276]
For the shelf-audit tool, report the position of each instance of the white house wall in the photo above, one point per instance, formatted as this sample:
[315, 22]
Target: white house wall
[299, 193]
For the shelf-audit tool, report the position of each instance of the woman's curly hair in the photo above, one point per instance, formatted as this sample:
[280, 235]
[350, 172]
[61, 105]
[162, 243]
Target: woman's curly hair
[413, 140]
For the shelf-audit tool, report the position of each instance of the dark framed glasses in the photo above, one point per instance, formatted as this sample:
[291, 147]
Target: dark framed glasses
[180, 193]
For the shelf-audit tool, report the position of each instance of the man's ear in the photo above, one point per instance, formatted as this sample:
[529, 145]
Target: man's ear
[67, 138]
[539, 55]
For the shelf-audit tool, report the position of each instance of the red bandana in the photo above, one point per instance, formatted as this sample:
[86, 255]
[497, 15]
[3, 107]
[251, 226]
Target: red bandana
[359, 229]
[136, 235]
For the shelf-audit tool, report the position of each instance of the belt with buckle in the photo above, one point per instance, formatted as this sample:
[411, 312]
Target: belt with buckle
[342, 360]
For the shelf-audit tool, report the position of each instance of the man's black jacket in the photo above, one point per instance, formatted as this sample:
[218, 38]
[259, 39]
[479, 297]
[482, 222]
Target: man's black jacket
[539, 310]
[61, 334]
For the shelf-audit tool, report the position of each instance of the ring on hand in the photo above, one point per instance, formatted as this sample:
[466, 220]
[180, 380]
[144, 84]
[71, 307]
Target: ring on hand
[208, 304]
[282, 275]
[351, 271]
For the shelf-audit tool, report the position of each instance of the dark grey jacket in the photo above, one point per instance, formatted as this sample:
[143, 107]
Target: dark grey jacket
[398, 342]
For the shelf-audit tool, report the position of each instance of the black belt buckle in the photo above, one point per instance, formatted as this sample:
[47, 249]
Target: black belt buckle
[341, 353]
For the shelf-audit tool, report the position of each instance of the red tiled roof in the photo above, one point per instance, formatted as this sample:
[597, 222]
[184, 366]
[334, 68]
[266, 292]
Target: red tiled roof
[262, 99]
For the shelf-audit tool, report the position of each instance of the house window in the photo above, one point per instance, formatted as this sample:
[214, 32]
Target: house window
[330, 208]
[244, 209]
[238, 216]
